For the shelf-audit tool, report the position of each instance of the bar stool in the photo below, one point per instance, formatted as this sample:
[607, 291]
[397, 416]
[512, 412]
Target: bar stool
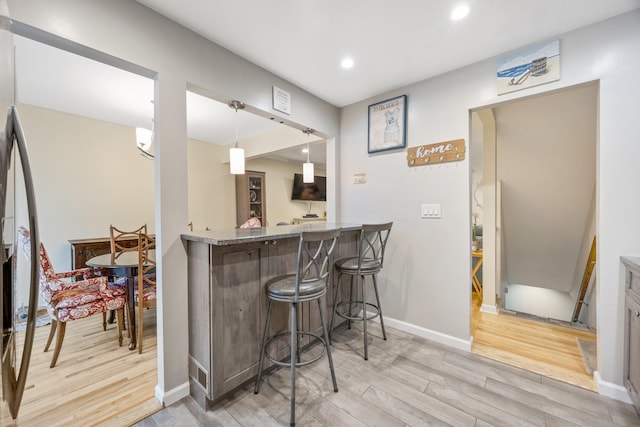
[368, 262]
[307, 284]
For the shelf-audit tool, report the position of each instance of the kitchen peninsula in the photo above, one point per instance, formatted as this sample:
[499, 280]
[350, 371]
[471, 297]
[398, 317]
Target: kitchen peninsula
[227, 271]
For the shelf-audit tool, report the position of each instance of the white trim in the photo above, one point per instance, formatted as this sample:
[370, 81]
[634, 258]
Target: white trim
[172, 396]
[611, 390]
[491, 309]
[429, 334]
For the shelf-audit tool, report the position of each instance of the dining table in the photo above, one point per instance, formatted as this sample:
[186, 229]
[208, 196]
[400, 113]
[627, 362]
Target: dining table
[125, 265]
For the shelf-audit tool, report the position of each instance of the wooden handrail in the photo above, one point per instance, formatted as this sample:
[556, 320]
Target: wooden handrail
[586, 278]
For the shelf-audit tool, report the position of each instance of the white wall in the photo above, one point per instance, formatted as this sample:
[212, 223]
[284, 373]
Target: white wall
[212, 189]
[546, 161]
[98, 178]
[178, 58]
[427, 281]
[476, 149]
[212, 194]
[88, 175]
[483, 121]
[279, 178]
[546, 303]
[476, 190]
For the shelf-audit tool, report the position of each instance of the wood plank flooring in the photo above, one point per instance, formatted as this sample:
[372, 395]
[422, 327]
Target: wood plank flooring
[94, 383]
[547, 349]
[407, 381]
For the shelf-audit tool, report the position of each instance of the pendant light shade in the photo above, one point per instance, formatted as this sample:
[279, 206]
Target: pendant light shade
[236, 161]
[144, 140]
[236, 155]
[307, 173]
[307, 168]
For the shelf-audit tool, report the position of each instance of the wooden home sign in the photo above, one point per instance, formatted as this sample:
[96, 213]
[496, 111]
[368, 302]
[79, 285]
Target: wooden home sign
[442, 152]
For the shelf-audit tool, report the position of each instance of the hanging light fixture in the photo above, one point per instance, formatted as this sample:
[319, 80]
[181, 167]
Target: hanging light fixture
[307, 168]
[236, 155]
[144, 139]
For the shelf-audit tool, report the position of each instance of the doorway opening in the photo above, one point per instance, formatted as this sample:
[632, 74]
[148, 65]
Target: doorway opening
[80, 116]
[533, 163]
[273, 156]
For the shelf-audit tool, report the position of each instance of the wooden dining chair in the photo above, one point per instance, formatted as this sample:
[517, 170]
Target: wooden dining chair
[123, 240]
[145, 295]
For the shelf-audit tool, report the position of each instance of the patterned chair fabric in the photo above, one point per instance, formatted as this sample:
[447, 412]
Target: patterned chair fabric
[70, 300]
[148, 294]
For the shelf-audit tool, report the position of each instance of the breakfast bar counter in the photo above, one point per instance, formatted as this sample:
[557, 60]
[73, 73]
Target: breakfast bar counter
[227, 271]
[260, 234]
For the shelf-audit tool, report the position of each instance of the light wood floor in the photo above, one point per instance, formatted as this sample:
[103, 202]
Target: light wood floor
[407, 381]
[95, 382]
[544, 348]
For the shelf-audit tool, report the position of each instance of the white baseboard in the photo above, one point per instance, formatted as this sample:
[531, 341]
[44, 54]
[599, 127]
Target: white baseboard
[605, 388]
[429, 334]
[611, 390]
[172, 396]
[486, 308]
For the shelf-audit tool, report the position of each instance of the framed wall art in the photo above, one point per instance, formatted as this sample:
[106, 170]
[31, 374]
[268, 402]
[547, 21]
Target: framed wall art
[388, 124]
[534, 66]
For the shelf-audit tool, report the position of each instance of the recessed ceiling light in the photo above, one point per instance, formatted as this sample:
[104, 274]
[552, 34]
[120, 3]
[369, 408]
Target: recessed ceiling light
[347, 63]
[459, 12]
[305, 150]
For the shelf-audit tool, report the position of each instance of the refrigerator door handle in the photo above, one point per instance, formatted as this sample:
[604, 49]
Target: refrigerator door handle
[16, 381]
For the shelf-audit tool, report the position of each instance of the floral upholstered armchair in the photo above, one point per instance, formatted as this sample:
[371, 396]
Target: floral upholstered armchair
[71, 300]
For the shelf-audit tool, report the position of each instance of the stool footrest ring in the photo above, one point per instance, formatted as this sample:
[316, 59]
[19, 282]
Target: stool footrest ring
[298, 364]
[375, 314]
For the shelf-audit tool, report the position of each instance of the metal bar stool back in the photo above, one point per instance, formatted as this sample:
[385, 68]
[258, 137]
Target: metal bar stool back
[307, 284]
[368, 262]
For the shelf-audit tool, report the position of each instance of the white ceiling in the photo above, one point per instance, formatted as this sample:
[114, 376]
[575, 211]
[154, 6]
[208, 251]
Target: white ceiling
[81, 86]
[77, 85]
[392, 43]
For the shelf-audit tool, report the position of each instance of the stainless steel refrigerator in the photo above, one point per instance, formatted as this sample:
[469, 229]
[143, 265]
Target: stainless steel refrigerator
[15, 178]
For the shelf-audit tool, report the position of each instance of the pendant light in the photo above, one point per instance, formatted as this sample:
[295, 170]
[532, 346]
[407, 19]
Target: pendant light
[144, 140]
[236, 155]
[307, 168]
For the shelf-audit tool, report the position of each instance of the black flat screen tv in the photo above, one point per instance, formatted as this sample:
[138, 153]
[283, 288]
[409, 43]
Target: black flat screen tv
[316, 191]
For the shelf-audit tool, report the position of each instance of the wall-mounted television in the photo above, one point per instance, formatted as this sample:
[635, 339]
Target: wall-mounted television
[316, 191]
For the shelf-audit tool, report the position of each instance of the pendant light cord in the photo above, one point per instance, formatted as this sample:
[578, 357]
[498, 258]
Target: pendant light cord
[236, 108]
[236, 155]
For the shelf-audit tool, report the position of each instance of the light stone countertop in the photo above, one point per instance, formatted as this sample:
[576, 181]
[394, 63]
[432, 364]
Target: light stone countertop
[631, 261]
[248, 235]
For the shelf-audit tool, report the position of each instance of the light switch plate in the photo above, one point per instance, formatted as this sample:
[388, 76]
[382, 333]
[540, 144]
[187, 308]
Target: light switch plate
[359, 178]
[431, 210]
